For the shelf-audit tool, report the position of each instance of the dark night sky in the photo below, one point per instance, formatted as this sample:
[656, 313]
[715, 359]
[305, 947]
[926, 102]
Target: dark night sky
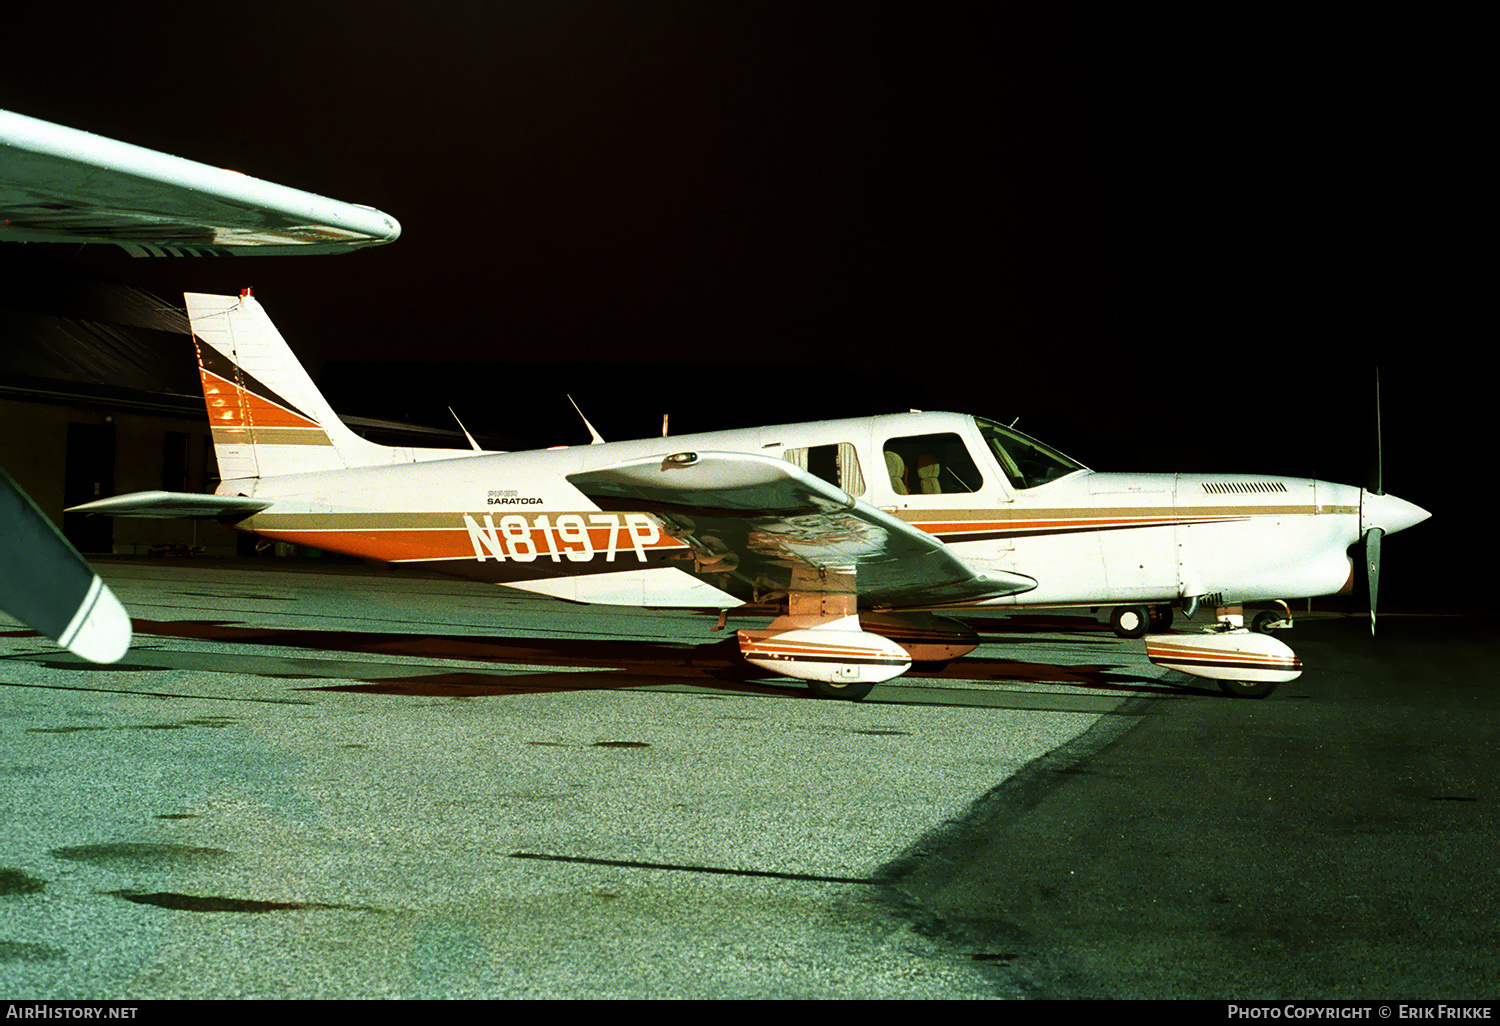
[1164, 243]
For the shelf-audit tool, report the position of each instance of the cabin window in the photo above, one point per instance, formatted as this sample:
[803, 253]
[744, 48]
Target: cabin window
[837, 464]
[930, 465]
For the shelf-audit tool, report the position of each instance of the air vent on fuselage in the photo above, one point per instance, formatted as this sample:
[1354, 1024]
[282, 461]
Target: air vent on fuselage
[1242, 487]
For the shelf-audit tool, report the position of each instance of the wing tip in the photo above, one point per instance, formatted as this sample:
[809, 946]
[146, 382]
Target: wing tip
[100, 631]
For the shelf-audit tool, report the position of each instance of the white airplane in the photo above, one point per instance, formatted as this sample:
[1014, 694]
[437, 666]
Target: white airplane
[58, 184]
[858, 532]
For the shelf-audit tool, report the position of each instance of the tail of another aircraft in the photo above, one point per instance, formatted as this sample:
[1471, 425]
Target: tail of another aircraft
[267, 416]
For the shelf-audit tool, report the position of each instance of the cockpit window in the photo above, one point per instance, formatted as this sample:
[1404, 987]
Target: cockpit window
[1026, 461]
[930, 464]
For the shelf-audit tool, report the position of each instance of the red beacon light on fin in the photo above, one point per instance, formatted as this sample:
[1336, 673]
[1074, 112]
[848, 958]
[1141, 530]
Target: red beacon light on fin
[247, 291]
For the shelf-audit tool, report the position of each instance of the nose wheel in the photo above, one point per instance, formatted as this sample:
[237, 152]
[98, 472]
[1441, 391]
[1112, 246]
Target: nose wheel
[1247, 688]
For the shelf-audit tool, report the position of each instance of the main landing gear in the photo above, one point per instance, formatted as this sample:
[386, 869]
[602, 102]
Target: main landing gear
[1244, 663]
[1138, 621]
[842, 653]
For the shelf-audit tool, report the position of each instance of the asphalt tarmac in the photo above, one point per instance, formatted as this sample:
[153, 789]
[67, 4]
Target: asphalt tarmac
[352, 783]
[1336, 840]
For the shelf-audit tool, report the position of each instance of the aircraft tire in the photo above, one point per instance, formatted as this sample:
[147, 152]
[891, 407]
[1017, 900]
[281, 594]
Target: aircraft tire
[1161, 618]
[1130, 621]
[1262, 622]
[847, 692]
[1247, 688]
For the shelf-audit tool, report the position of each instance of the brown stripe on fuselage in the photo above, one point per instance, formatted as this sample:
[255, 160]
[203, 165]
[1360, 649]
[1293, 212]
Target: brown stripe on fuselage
[262, 435]
[960, 515]
[996, 524]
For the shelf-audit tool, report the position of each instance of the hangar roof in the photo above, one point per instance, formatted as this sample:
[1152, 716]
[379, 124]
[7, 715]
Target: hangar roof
[69, 336]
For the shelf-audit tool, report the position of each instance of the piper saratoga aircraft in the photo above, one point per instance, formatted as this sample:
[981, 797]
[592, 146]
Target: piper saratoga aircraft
[859, 532]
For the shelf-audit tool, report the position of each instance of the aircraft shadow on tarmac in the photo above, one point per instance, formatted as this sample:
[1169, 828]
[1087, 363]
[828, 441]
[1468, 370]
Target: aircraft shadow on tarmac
[627, 663]
[621, 663]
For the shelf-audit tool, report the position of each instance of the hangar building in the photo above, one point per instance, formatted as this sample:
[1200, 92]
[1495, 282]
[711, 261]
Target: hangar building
[99, 395]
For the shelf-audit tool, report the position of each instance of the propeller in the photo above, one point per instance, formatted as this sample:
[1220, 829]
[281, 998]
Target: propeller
[1374, 534]
[1381, 514]
[1372, 568]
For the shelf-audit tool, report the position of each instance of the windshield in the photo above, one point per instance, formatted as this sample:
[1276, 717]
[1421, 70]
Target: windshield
[1026, 461]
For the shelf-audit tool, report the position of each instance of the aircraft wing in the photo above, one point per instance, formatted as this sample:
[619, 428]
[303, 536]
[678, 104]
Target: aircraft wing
[757, 520]
[174, 505]
[60, 184]
[46, 584]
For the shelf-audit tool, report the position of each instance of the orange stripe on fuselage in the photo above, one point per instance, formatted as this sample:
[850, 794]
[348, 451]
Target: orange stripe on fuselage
[396, 545]
[387, 546]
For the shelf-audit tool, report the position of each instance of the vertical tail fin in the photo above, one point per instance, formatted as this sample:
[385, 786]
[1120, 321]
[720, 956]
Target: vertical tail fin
[267, 416]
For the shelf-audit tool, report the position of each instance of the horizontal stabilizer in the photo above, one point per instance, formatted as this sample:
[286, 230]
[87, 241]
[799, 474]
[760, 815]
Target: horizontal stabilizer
[175, 505]
[48, 586]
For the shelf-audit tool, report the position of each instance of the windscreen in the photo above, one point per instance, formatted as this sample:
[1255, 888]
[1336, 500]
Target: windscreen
[1026, 461]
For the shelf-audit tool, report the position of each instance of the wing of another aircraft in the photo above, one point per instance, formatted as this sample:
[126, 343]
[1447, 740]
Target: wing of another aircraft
[60, 184]
[46, 584]
[767, 523]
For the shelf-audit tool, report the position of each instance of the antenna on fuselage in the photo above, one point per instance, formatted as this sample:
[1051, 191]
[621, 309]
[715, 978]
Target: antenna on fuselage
[472, 444]
[594, 437]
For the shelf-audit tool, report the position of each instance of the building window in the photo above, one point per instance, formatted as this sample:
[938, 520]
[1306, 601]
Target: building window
[174, 461]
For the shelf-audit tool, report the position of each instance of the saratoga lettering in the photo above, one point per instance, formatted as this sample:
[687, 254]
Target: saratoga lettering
[577, 537]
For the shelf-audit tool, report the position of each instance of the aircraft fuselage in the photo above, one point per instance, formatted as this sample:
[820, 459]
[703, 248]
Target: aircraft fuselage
[1086, 537]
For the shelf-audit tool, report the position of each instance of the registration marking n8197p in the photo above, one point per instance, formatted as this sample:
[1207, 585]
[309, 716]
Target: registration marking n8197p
[577, 537]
